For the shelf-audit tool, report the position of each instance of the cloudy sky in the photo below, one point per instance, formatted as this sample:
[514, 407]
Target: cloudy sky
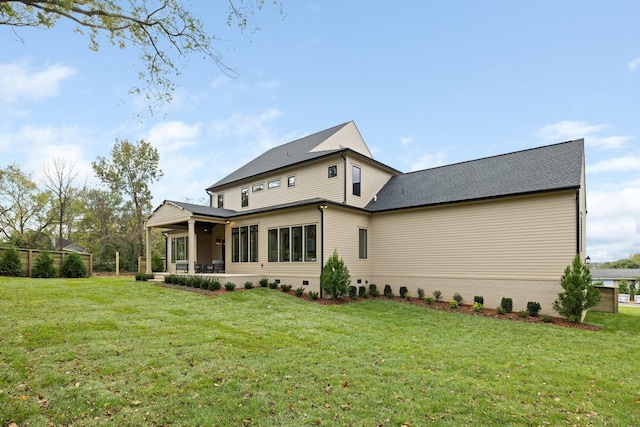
[427, 84]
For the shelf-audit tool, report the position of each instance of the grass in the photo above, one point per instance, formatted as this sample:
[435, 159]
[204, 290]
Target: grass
[97, 351]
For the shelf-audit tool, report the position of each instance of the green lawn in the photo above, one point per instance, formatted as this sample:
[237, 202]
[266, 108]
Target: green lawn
[114, 351]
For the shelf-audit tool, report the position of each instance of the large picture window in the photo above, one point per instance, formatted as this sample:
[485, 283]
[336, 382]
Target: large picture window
[272, 243]
[292, 244]
[356, 180]
[296, 244]
[310, 243]
[179, 249]
[284, 245]
[244, 244]
[362, 243]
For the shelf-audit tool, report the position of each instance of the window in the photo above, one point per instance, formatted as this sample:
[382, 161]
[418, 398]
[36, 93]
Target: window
[310, 243]
[244, 198]
[272, 243]
[362, 243]
[179, 249]
[221, 201]
[273, 184]
[284, 245]
[244, 244]
[333, 171]
[257, 187]
[291, 181]
[296, 244]
[356, 180]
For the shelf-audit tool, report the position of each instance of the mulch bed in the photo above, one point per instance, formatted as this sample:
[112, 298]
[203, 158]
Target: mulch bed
[437, 305]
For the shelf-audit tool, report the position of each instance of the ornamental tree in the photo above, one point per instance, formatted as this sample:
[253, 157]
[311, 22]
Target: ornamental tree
[335, 278]
[579, 293]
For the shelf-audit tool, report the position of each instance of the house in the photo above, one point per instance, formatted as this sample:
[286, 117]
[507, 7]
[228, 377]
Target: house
[611, 277]
[501, 226]
[68, 245]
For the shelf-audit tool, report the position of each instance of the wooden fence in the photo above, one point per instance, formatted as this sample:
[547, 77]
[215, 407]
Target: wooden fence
[28, 257]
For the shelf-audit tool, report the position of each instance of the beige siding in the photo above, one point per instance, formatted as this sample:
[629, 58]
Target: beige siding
[167, 214]
[372, 180]
[347, 137]
[341, 228]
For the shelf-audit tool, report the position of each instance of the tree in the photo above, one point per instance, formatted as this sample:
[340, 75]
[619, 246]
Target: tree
[58, 178]
[130, 171]
[161, 30]
[335, 278]
[579, 293]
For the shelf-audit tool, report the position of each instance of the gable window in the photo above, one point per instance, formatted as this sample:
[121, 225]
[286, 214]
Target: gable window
[179, 249]
[221, 201]
[273, 184]
[257, 187]
[362, 243]
[356, 180]
[244, 244]
[244, 197]
[291, 181]
[333, 171]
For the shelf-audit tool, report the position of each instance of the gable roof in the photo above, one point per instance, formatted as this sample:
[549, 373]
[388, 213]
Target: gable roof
[548, 168]
[284, 155]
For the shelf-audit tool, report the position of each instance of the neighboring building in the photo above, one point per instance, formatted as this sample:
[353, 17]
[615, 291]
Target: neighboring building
[502, 226]
[69, 246]
[611, 277]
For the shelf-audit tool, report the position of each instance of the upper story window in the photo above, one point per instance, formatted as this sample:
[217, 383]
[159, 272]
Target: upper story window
[257, 187]
[273, 184]
[221, 201]
[291, 181]
[333, 171]
[356, 180]
[244, 197]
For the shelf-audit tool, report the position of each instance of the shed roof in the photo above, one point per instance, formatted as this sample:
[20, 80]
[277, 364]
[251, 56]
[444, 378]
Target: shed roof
[614, 273]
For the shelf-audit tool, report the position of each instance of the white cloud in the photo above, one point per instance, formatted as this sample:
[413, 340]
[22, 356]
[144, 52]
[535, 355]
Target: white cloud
[634, 64]
[571, 130]
[19, 81]
[173, 136]
[619, 164]
[405, 141]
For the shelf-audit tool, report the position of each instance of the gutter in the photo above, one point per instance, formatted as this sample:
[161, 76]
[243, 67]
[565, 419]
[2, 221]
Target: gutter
[321, 208]
[344, 192]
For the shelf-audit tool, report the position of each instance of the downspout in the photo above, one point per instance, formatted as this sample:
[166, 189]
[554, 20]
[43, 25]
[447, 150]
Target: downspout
[321, 208]
[344, 161]
[578, 248]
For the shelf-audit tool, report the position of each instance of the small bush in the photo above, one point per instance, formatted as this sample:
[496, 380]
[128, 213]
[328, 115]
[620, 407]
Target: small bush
[403, 291]
[437, 295]
[286, 287]
[547, 319]
[408, 296]
[273, 285]
[476, 307]
[248, 285]
[169, 279]
[420, 293]
[458, 298]
[73, 267]
[373, 290]
[230, 286]
[453, 304]
[214, 284]
[43, 266]
[507, 305]
[362, 291]
[479, 299]
[264, 282]
[299, 291]
[313, 295]
[500, 310]
[335, 278]
[522, 314]
[533, 308]
[353, 292]
[143, 277]
[156, 263]
[387, 291]
[10, 264]
[429, 300]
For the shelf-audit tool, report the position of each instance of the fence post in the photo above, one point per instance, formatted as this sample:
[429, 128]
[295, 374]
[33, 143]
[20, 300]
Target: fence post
[117, 264]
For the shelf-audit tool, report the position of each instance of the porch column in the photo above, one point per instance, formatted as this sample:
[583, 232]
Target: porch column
[192, 245]
[148, 267]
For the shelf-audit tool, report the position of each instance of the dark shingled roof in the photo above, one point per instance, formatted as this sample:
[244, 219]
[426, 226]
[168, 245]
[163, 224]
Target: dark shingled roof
[552, 167]
[282, 156]
[203, 209]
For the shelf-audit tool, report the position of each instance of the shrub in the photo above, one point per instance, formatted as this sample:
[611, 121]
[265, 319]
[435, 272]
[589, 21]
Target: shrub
[313, 295]
[362, 291]
[547, 319]
[273, 285]
[335, 278]
[507, 304]
[453, 304]
[156, 263]
[403, 291]
[479, 299]
[579, 293]
[437, 295]
[500, 310]
[299, 291]
[458, 298]
[420, 293]
[387, 291]
[429, 300]
[533, 308]
[248, 285]
[476, 307]
[43, 266]
[264, 282]
[169, 279]
[230, 286]
[214, 284]
[73, 266]
[373, 290]
[353, 292]
[523, 314]
[408, 296]
[10, 264]
[286, 287]
[623, 286]
[143, 277]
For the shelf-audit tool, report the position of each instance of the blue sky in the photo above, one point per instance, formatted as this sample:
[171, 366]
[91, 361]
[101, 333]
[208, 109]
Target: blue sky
[427, 83]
